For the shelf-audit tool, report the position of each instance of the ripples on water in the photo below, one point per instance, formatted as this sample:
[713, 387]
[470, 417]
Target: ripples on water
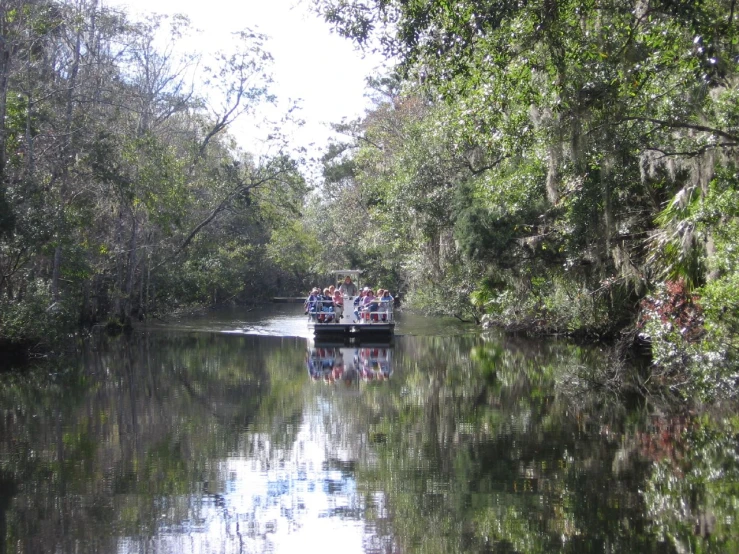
[232, 432]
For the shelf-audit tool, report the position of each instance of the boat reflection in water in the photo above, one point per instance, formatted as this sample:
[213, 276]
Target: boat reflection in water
[350, 365]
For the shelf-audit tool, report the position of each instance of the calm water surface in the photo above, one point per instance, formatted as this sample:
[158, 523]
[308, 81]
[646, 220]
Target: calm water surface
[233, 432]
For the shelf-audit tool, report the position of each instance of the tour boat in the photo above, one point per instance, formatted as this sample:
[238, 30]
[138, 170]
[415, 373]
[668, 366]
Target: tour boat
[375, 321]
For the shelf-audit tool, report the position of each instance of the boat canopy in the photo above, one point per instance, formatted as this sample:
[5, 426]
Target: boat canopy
[341, 274]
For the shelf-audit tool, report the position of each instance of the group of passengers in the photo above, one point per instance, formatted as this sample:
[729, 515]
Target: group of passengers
[328, 305]
[367, 303]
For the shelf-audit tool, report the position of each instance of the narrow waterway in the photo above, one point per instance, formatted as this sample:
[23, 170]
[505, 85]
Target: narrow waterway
[235, 433]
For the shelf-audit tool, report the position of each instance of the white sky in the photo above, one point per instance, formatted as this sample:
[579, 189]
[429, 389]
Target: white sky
[310, 63]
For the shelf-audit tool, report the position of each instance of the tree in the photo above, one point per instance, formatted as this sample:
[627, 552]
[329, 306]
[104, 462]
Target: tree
[590, 129]
[118, 171]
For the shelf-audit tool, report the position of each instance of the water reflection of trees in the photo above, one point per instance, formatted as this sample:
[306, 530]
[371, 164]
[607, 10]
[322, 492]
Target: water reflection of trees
[481, 447]
[692, 495]
[472, 446]
[115, 446]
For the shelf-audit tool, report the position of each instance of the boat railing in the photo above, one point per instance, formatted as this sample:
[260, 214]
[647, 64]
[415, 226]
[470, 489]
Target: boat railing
[376, 312]
[328, 312]
[319, 315]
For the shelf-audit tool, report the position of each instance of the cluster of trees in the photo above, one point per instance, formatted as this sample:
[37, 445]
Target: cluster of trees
[121, 191]
[564, 166]
[555, 166]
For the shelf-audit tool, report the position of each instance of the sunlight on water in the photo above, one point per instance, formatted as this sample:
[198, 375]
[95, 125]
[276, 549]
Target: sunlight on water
[274, 500]
[273, 320]
[288, 320]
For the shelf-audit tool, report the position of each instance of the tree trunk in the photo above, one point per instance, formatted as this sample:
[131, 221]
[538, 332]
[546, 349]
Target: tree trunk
[142, 278]
[606, 195]
[607, 215]
[56, 272]
[64, 169]
[4, 72]
[148, 284]
[118, 290]
[131, 273]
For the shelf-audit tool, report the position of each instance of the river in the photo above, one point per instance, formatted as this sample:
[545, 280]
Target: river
[233, 433]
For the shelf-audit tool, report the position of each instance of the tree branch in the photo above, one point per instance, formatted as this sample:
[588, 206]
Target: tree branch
[694, 153]
[224, 204]
[484, 168]
[679, 125]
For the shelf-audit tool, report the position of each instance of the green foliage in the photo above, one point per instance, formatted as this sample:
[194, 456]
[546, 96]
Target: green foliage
[216, 274]
[7, 217]
[671, 320]
[551, 304]
[702, 246]
[589, 148]
[122, 193]
[36, 321]
[720, 214]
[678, 245]
[293, 248]
[693, 505]
[158, 182]
[722, 315]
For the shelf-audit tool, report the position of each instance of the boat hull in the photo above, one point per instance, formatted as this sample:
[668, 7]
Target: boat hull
[353, 329]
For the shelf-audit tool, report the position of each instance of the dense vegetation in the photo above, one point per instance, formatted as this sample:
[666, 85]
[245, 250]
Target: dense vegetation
[551, 166]
[547, 166]
[121, 193]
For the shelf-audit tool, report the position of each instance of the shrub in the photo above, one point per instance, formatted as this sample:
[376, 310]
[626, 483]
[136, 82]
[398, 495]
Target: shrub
[546, 304]
[34, 320]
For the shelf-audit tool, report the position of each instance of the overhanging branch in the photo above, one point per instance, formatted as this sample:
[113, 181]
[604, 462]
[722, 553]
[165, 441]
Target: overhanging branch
[692, 153]
[682, 125]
